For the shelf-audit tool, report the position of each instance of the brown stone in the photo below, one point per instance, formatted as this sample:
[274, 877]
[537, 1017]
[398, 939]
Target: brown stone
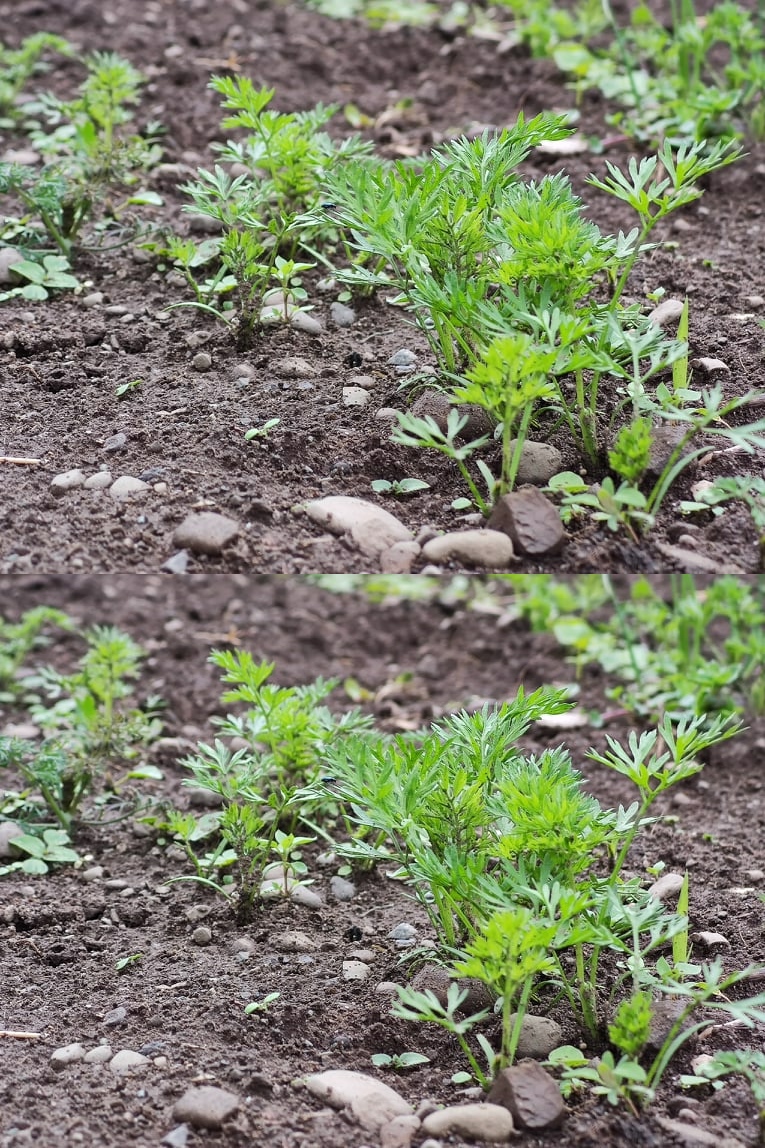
[530, 520]
[531, 1095]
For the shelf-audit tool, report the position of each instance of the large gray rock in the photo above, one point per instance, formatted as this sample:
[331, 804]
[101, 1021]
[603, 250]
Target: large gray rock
[369, 1101]
[205, 1107]
[489, 548]
[205, 532]
[489, 1122]
[371, 528]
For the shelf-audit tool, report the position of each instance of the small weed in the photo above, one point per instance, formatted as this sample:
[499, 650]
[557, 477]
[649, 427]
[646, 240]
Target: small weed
[400, 486]
[130, 962]
[129, 388]
[400, 1060]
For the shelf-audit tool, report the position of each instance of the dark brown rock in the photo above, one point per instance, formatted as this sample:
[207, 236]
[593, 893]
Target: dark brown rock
[531, 1094]
[531, 520]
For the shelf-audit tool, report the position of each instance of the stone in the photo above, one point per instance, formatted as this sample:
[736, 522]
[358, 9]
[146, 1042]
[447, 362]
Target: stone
[484, 1121]
[98, 481]
[205, 1107]
[202, 361]
[489, 548]
[366, 382]
[306, 323]
[355, 397]
[61, 1058]
[341, 315]
[306, 897]
[9, 256]
[177, 563]
[433, 978]
[127, 1061]
[709, 366]
[294, 941]
[355, 971]
[9, 830]
[667, 313]
[371, 528]
[665, 440]
[403, 932]
[205, 532]
[94, 299]
[538, 463]
[177, 1137]
[403, 358]
[692, 1136]
[667, 887]
[98, 1055]
[399, 558]
[115, 442]
[115, 1016]
[387, 414]
[294, 367]
[689, 560]
[530, 520]
[127, 487]
[399, 1132]
[370, 1102]
[68, 480]
[201, 935]
[530, 1094]
[539, 1036]
[432, 404]
[341, 889]
[711, 940]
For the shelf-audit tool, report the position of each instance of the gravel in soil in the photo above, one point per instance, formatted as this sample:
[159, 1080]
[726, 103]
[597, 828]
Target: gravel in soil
[182, 431]
[179, 1011]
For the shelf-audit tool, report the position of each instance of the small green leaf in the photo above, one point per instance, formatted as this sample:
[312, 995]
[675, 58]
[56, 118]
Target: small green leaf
[148, 198]
[147, 773]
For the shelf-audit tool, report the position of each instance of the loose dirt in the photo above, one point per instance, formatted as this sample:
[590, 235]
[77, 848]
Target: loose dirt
[61, 936]
[62, 363]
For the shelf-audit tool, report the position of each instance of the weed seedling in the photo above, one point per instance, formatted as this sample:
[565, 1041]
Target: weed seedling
[400, 1060]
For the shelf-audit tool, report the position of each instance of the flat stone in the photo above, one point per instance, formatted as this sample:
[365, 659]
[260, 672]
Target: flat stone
[667, 887]
[9, 256]
[115, 442]
[355, 971]
[355, 397]
[205, 532]
[98, 1055]
[306, 323]
[66, 481]
[399, 1132]
[61, 1058]
[205, 1107]
[539, 1036]
[530, 520]
[98, 481]
[341, 889]
[530, 1094]
[306, 897]
[371, 528]
[366, 382]
[689, 560]
[403, 358]
[538, 463]
[294, 941]
[370, 1102]
[177, 1137]
[177, 563]
[294, 367]
[489, 548]
[665, 440]
[691, 1135]
[667, 313]
[341, 315]
[399, 558]
[711, 940]
[9, 830]
[127, 1061]
[127, 487]
[484, 1121]
[709, 366]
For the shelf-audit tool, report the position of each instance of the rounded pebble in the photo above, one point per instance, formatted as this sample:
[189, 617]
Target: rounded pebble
[202, 361]
[68, 480]
[201, 935]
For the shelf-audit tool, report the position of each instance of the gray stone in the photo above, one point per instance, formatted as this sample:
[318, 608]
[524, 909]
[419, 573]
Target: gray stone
[177, 1137]
[204, 225]
[98, 481]
[433, 978]
[432, 404]
[355, 971]
[489, 548]
[205, 532]
[98, 1055]
[371, 528]
[127, 487]
[403, 932]
[668, 313]
[61, 1058]
[399, 558]
[306, 323]
[538, 463]
[403, 358]
[68, 480]
[366, 382]
[126, 1060]
[530, 520]
[473, 1121]
[115, 442]
[294, 941]
[355, 397]
[341, 315]
[26, 156]
[370, 1102]
[399, 1132]
[94, 299]
[93, 873]
[9, 830]
[692, 1136]
[202, 361]
[115, 1016]
[205, 1107]
[665, 440]
[539, 1036]
[9, 256]
[294, 367]
[387, 414]
[177, 563]
[341, 889]
[668, 887]
[201, 935]
[306, 897]
[710, 366]
[530, 1094]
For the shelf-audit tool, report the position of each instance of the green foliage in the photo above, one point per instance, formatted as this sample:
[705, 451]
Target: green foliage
[19, 639]
[89, 155]
[18, 65]
[399, 1060]
[43, 848]
[43, 275]
[87, 728]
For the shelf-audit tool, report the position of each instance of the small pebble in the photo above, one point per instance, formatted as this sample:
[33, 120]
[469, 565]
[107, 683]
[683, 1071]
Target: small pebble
[126, 486]
[201, 935]
[98, 481]
[306, 323]
[202, 361]
[355, 971]
[403, 358]
[205, 1107]
[355, 397]
[63, 1057]
[98, 1055]
[177, 563]
[127, 1061]
[115, 1016]
[306, 897]
[341, 315]
[68, 480]
[341, 889]
[95, 299]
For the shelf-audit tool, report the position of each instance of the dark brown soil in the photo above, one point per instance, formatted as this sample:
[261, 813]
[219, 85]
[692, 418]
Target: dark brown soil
[61, 937]
[63, 363]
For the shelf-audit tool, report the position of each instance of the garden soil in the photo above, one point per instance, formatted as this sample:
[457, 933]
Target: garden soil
[183, 429]
[182, 1004]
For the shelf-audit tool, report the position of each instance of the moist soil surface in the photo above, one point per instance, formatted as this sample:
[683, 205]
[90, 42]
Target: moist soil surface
[184, 428]
[62, 935]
